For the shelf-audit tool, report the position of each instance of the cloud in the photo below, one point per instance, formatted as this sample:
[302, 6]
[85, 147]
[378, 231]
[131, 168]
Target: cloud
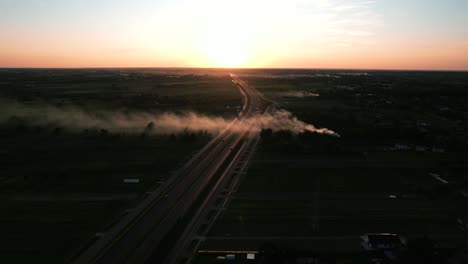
[349, 22]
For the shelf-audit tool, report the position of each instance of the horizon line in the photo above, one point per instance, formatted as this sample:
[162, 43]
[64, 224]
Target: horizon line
[233, 68]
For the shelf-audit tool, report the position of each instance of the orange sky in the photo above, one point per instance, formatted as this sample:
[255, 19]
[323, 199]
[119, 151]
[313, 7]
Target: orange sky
[258, 33]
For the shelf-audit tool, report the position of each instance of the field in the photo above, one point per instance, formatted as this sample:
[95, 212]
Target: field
[318, 194]
[61, 187]
[70, 139]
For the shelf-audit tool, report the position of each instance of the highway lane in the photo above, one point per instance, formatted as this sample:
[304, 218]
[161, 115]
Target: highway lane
[134, 239]
[186, 246]
[92, 253]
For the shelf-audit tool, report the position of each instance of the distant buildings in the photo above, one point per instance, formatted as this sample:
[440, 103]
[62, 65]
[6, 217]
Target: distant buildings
[131, 180]
[438, 150]
[418, 148]
[382, 241]
[402, 147]
[388, 244]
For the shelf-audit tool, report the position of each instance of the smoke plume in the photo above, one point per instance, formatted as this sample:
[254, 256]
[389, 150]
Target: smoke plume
[284, 120]
[76, 118]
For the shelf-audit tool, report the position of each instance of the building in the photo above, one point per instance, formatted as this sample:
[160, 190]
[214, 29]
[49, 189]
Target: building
[384, 242]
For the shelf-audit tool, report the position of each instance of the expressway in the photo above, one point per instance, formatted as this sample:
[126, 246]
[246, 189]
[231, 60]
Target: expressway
[167, 219]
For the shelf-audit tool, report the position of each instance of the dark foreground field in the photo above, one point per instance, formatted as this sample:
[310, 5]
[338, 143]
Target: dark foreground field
[62, 183]
[313, 196]
[71, 138]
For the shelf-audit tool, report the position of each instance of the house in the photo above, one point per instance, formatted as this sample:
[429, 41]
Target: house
[402, 147]
[438, 150]
[420, 148]
[382, 242]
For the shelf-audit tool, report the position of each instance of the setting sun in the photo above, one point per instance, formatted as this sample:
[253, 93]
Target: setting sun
[225, 53]
[225, 40]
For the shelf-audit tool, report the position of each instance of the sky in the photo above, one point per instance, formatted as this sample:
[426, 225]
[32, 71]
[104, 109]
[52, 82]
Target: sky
[358, 34]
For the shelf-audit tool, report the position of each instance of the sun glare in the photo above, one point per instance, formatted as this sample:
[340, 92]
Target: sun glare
[227, 44]
[229, 56]
[226, 55]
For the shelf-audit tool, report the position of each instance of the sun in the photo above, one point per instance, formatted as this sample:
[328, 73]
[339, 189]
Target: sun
[224, 49]
[226, 56]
